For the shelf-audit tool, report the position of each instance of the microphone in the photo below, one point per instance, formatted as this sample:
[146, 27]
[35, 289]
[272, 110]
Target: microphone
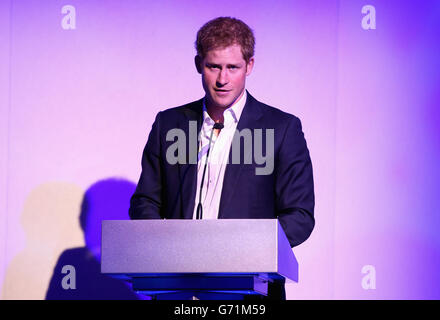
[218, 125]
[199, 215]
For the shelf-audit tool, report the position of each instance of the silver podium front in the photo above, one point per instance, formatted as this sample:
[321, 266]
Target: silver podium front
[197, 257]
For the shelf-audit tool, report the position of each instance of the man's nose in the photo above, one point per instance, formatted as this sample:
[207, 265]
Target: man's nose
[222, 78]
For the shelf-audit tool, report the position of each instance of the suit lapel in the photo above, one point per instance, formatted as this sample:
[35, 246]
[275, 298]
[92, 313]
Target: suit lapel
[248, 120]
[188, 171]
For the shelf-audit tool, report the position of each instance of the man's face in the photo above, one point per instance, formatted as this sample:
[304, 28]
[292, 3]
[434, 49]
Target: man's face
[224, 74]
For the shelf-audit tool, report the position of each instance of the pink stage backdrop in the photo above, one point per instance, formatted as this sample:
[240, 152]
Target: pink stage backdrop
[82, 80]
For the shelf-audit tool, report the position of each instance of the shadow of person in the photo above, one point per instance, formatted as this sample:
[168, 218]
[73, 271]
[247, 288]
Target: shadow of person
[49, 220]
[77, 274]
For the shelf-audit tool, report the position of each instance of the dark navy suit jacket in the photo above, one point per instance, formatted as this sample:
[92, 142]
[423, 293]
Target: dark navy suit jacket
[167, 191]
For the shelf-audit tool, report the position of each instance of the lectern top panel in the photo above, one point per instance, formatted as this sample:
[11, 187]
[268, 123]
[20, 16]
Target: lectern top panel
[192, 246]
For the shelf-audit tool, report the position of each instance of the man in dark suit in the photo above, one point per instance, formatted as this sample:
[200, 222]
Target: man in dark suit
[268, 176]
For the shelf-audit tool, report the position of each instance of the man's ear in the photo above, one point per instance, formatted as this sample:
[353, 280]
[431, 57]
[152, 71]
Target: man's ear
[250, 66]
[198, 63]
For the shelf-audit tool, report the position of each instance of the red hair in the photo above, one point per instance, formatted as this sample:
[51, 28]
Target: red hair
[223, 32]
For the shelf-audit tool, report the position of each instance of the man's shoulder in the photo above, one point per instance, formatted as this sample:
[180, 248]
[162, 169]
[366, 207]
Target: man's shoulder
[191, 107]
[274, 113]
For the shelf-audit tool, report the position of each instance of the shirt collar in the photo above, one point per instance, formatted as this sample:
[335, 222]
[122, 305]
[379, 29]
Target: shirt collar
[231, 115]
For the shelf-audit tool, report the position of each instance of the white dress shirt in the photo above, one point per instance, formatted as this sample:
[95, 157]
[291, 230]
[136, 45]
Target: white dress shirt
[218, 157]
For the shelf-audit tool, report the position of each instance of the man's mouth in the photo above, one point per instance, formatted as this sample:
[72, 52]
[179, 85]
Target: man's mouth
[222, 93]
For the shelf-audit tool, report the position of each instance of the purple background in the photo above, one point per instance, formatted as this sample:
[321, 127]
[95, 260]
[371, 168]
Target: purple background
[76, 107]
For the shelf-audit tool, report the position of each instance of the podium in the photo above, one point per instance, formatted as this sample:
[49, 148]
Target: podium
[197, 258]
